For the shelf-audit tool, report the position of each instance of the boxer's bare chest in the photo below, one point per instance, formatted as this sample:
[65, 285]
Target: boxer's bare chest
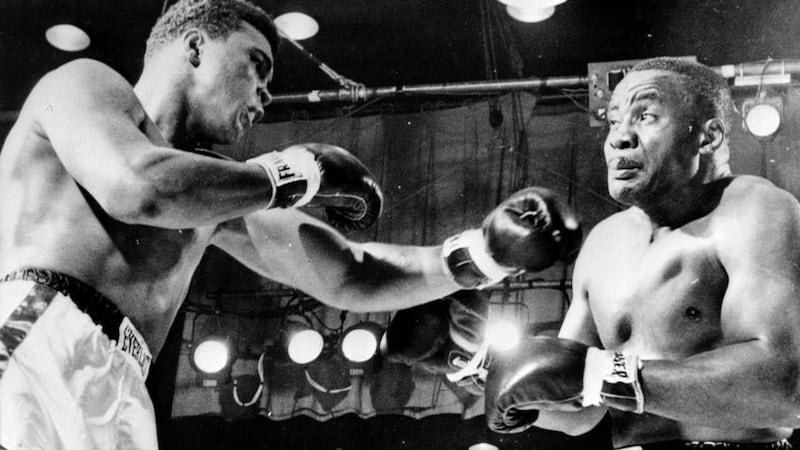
[659, 294]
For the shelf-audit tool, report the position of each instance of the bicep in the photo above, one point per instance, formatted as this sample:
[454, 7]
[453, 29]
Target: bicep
[269, 242]
[762, 260]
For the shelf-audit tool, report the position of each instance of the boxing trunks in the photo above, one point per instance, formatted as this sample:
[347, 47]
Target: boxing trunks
[72, 368]
[685, 445]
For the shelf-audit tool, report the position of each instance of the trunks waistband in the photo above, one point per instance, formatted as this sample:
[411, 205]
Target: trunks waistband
[102, 311]
[675, 445]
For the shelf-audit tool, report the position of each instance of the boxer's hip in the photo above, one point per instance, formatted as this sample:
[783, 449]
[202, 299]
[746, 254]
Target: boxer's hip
[26, 295]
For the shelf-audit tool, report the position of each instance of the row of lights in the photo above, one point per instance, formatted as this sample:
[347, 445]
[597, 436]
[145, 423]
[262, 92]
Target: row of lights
[359, 345]
[71, 38]
[213, 356]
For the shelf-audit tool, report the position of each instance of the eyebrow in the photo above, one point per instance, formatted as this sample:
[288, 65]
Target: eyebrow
[646, 93]
[266, 60]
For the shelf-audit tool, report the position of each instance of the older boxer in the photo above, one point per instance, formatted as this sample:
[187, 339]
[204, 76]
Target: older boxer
[684, 322]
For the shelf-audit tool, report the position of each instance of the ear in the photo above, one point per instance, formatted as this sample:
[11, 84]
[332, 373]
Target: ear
[711, 136]
[192, 45]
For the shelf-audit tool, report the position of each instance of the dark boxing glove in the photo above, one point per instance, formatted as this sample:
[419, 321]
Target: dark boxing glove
[444, 336]
[529, 231]
[545, 373]
[324, 176]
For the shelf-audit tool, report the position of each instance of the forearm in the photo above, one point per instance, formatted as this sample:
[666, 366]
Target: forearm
[181, 190]
[747, 384]
[374, 276]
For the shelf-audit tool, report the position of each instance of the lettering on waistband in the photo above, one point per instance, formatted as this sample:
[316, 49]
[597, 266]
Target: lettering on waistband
[133, 346]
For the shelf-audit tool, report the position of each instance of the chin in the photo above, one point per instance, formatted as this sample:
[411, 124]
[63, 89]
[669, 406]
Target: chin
[627, 195]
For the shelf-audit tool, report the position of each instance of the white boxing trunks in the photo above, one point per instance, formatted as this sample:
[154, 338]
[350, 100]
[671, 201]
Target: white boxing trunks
[65, 383]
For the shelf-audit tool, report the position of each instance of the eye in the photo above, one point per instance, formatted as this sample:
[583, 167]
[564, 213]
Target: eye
[647, 117]
[612, 123]
[262, 66]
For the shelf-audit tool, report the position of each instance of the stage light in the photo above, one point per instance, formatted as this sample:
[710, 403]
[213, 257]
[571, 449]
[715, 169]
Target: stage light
[503, 334]
[297, 26]
[483, 446]
[303, 344]
[530, 15]
[534, 4]
[762, 116]
[530, 11]
[212, 357]
[359, 344]
[68, 38]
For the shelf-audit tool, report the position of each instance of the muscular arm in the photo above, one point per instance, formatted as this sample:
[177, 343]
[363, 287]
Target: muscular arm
[295, 249]
[99, 131]
[752, 378]
[578, 325]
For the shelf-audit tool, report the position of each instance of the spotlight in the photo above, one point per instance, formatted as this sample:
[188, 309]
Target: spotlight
[537, 4]
[303, 344]
[531, 11]
[297, 26]
[67, 37]
[359, 344]
[762, 116]
[530, 15]
[212, 358]
[503, 334]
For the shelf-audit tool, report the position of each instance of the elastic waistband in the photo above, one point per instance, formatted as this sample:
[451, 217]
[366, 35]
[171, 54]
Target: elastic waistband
[708, 445]
[102, 311]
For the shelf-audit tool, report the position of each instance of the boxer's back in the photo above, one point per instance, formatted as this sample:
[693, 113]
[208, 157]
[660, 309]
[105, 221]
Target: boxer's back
[659, 294]
[51, 222]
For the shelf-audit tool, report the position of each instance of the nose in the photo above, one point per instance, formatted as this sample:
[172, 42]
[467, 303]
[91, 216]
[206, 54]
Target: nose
[263, 98]
[622, 137]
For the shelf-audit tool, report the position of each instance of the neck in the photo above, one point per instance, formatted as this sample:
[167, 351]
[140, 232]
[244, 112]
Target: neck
[163, 99]
[687, 202]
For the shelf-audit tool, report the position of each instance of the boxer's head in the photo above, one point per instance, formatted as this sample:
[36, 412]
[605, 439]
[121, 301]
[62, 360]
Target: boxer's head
[217, 58]
[668, 124]
[218, 18]
[707, 89]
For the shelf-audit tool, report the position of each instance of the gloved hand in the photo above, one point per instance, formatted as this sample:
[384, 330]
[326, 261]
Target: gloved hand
[444, 336]
[545, 373]
[529, 231]
[323, 175]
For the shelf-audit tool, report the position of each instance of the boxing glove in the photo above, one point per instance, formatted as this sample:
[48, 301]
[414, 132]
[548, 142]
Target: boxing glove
[545, 373]
[529, 231]
[444, 336]
[323, 176]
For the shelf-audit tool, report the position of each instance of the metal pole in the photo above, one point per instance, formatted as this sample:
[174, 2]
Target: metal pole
[530, 284]
[362, 93]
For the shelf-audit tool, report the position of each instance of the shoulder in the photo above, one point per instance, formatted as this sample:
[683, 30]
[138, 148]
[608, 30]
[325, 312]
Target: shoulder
[85, 74]
[750, 198]
[84, 80]
[609, 231]
[618, 223]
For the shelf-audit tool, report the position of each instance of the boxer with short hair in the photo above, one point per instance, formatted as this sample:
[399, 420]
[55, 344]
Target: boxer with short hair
[108, 207]
[684, 321]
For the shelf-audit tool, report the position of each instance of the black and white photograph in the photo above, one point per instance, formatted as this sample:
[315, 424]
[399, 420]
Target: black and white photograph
[399, 224]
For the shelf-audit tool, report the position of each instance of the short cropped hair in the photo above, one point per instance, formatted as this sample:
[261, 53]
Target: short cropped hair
[712, 96]
[218, 18]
